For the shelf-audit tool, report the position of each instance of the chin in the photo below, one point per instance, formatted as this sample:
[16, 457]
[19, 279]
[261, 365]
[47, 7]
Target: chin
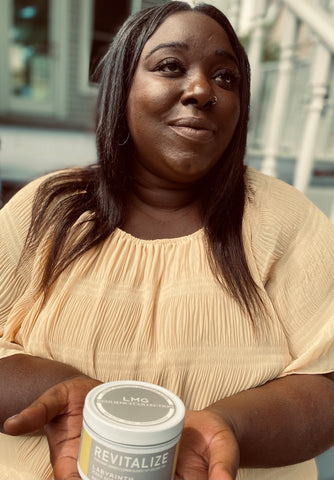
[188, 173]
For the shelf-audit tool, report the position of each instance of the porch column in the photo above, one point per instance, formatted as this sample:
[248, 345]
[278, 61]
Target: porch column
[319, 84]
[234, 14]
[255, 49]
[281, 96]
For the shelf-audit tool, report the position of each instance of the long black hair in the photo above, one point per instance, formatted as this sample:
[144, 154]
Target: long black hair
[101, 190]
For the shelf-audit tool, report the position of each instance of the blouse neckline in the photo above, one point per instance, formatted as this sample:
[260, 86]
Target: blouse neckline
[167, 241]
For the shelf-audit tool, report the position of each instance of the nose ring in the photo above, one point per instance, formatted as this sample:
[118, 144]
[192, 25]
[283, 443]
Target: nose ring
[213, 100]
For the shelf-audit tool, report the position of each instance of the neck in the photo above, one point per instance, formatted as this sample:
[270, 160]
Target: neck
[162, 193]
[163, 196]
[162, 209]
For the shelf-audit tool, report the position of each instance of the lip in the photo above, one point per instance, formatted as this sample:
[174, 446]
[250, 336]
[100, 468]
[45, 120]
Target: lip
[193, 128]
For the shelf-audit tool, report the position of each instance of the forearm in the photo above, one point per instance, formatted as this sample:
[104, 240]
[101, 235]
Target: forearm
[285, 421]
[25, 378]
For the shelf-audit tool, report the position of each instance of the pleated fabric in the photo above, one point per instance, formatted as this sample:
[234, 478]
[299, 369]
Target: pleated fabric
[152, 310]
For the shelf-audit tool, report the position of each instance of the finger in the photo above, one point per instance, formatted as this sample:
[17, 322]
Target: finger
[38, 414]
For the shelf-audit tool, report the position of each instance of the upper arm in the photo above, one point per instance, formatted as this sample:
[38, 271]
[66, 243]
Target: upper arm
[295, 240]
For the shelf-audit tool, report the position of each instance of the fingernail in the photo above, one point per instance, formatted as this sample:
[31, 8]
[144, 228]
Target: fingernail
[12, 417]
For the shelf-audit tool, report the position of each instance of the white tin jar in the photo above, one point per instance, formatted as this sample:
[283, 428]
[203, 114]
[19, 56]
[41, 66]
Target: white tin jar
[131, 431]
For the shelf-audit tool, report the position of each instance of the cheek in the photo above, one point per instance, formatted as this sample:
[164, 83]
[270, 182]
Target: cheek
[235, 121]
[231, 114]
[233, 107]
[148, 100]
[237, 111]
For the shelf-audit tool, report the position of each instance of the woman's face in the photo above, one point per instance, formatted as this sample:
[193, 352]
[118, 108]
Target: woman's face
[179, 133]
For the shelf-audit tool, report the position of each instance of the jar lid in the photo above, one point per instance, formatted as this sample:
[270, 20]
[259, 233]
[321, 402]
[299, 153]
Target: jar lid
[132, 412]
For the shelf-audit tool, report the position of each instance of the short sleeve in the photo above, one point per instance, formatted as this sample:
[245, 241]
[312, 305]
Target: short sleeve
[15, 219]
[300, 282]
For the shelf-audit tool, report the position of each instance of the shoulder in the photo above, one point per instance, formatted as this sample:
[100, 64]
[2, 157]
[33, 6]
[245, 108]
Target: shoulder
[27, 194]
[275, 202]
[17, 212]
[15, 220]
[280, 220]
[274, 192]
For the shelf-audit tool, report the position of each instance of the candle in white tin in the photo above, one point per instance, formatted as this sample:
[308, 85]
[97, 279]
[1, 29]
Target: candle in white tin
[131, 431]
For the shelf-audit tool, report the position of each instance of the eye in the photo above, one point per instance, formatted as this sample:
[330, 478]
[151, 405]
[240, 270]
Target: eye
[226, 79]
[170, 66]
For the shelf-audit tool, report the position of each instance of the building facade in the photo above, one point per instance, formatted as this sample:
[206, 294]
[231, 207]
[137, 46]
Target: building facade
[50, 48]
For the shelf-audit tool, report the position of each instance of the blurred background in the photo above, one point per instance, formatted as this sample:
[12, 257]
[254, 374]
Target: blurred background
[49, 49]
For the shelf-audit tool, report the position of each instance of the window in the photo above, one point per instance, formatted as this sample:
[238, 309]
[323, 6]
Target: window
[33, 56]
[100, 21]
[107, 18]
[29, 65]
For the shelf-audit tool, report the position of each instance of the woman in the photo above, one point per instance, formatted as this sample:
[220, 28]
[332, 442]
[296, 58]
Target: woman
[169, 262]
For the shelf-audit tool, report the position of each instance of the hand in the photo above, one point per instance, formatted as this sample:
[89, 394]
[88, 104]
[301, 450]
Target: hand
[208, 448]
[59, 411]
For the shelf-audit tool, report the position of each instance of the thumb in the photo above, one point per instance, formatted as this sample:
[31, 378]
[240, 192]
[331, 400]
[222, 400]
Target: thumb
[66, 469]
[38, 414]
[224, 457]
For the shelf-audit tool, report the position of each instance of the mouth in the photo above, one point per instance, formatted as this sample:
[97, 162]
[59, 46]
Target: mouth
[193, 129]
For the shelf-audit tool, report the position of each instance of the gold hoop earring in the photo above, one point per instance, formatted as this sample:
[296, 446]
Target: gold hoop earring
[125, 141]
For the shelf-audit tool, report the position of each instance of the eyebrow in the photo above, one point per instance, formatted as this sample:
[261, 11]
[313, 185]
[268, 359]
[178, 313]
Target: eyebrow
[184, 46]
[180, 45]
[226, 54]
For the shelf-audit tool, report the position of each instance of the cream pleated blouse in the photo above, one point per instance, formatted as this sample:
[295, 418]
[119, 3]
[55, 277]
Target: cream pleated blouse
[151, 310]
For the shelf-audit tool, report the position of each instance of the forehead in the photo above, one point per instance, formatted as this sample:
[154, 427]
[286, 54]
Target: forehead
[194, 29]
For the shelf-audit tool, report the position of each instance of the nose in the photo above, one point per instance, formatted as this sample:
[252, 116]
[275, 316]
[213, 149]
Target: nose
[198, 91]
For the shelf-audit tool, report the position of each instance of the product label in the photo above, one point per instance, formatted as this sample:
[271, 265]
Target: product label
[135, 405]
[98, 462]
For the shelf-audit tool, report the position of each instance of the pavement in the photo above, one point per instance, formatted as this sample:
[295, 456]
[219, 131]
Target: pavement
[27, 153]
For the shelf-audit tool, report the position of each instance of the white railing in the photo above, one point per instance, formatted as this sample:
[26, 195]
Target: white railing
[292, 110]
